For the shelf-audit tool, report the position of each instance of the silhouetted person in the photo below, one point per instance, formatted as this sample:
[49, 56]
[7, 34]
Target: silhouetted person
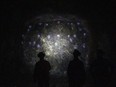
[41, 72]
[101, 70]
[76, 71]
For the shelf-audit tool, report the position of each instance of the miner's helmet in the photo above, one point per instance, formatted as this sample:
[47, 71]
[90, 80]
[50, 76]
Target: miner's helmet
[76, 52]
[41, 55]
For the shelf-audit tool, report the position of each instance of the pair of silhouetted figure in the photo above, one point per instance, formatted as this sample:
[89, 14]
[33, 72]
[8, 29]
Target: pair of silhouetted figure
[75, 71]
[100, 70]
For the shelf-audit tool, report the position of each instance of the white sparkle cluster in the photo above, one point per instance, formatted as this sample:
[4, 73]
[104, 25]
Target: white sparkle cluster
[57, 39]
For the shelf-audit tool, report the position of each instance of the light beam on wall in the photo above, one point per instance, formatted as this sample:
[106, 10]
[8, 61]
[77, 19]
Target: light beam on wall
[57, 36]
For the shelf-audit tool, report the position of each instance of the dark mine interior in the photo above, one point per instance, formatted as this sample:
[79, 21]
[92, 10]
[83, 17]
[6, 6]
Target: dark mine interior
[57, 28]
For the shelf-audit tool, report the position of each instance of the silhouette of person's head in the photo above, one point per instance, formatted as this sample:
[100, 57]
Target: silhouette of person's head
[76, 53]
[41, 55]
[100, 53]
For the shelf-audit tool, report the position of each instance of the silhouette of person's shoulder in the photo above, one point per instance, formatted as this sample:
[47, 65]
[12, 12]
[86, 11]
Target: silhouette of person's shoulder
[41, 71]
[76, 71]
[43, 63]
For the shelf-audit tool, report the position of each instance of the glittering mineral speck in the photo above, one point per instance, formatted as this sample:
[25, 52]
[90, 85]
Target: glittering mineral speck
[78, 23]
[38, 36]
[30, 26]
[38, 46]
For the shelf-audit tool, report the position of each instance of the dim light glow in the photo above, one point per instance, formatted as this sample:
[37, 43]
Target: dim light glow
[57, 39]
